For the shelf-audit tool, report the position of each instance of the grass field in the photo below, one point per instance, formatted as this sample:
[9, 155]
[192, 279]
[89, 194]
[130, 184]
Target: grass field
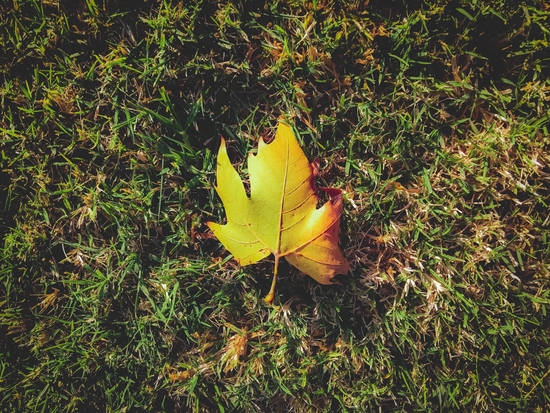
[431, 116]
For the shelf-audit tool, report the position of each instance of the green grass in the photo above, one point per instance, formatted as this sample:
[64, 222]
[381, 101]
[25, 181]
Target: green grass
[432, 117]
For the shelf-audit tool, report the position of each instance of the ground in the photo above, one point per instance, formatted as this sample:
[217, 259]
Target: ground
[431, 116]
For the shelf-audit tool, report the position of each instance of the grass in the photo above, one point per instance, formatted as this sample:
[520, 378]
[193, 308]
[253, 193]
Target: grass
[431, 116]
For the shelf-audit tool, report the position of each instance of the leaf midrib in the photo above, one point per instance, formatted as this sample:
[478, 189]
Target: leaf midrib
[282, 203]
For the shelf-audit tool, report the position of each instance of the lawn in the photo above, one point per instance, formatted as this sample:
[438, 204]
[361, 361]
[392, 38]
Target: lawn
[433, 119]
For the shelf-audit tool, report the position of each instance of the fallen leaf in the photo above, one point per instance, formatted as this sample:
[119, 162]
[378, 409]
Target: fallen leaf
[280, 217]
[181, 375]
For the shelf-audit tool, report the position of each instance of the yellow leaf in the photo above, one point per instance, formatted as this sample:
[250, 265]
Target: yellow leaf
[280, 217]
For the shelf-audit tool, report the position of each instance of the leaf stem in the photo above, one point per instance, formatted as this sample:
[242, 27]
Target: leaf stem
[271, 295]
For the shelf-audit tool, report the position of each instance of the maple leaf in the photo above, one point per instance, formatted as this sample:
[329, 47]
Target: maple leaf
[280, 217]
